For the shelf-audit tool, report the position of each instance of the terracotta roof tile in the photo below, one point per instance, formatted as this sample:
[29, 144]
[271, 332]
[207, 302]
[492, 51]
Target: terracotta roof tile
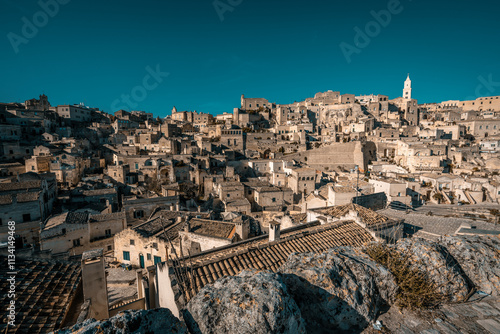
[260, 254]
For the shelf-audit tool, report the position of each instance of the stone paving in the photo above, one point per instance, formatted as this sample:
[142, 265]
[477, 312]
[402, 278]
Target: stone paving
[121, 284]
[481, 315]
[431, 227]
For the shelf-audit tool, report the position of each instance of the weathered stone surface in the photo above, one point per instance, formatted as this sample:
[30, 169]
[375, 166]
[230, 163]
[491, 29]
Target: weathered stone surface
[251, 302]
[479, 258]
[342, 289]
[440, 265]
[153, 321]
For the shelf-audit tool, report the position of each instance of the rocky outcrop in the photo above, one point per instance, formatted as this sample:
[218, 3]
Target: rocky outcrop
[153, 322]
[251, 302]
[440, 266]
[339, 289]
[479, 257]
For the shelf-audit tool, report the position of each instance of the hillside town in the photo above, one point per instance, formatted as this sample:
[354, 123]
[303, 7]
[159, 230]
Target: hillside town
[131, 211]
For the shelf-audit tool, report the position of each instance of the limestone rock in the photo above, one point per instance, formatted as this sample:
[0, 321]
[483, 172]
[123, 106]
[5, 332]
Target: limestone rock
[341, 289]
[251, 302]
[479, 257]
[442, 268]
[152, 321]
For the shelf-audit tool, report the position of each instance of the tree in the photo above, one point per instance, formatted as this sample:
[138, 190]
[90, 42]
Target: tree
[438, 197]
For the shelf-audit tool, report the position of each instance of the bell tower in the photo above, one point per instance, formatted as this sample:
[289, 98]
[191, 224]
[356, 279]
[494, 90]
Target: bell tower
[407, 88]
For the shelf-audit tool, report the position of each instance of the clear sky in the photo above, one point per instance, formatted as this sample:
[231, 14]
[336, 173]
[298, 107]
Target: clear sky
[96, 52]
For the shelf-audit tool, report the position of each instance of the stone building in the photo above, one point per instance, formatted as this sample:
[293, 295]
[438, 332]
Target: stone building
[154, 240]
[262, 253]
[27, 203]
[73, 233]
[302, 180]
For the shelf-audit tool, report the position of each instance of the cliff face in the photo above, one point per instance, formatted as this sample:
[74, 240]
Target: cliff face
[341, 290]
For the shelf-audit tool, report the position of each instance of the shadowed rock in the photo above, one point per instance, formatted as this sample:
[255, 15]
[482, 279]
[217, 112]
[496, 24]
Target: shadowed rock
[440, 266]
[153, 322]
[479, 257]
[341, 289]
[251, 302]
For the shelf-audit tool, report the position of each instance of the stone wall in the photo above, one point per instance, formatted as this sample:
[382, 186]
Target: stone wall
[333, 156]
[377, 201]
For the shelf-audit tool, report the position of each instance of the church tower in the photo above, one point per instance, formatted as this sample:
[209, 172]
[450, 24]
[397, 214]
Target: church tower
[407, 88]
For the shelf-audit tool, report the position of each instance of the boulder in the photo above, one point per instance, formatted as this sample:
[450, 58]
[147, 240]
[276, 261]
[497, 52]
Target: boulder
[341, 289]
[479, 257]
[251, 302]
[152, 321]
[441, 267]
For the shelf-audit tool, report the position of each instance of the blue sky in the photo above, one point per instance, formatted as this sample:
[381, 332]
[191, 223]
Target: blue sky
[97, 51]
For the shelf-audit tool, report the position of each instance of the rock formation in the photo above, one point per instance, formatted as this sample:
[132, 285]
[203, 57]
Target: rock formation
[479, 258]
[442, 268]
[252, 302]
[152, 321]
[339, 289]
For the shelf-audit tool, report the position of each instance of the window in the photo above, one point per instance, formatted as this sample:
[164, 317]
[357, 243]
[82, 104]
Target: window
[132, 242]
[26, 217]
[0, 221]
[108, 233]
[148, 257]
[63, 231]
[157, 259]
[126, 256]
[274, 199]
[76, 242]
[109, 248]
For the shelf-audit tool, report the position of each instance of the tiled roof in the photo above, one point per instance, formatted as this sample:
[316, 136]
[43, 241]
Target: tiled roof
[20, 185]
[99, 192]
[66, 218]
[260, 254]
[153, 227]
[368, 216]
[5, 199]
[77, 217]
[107, 216]
[166, 214]
[237, 202]
[44, 291]
[28, 197]
[267, 189]
[212, 228]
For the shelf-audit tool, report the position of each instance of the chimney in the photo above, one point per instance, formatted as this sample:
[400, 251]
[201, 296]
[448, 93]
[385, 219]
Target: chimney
[274, 231]
[94, 283]
[242, 228]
